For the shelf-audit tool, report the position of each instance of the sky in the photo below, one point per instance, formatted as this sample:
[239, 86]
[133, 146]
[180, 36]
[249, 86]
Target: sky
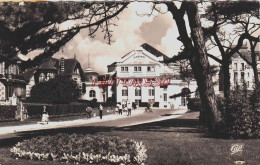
[134, 28]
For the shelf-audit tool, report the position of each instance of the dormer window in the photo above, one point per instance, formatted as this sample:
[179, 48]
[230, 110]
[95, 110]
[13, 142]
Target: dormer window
[42, 77]
[76, 71]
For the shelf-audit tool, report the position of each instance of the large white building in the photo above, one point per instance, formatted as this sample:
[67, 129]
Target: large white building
[145, 64]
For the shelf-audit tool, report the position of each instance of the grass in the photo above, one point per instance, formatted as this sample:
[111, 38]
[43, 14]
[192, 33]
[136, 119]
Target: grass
[172, 142]
[56, 118]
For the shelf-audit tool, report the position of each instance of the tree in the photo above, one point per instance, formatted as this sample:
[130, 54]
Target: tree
[226, 13]
[196, 52]
[28, 26]
[57, 90]
[98, 15]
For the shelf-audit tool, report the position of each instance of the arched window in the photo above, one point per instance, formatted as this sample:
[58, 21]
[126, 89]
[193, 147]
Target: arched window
[42, 77]
[51, 75]
[48, 76]
[138, 91]
[124, 91]
[92, 93]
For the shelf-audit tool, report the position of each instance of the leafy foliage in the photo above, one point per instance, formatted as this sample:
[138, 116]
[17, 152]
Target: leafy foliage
[241, 116]
[7, 112]
[57, 90]
[28, 26]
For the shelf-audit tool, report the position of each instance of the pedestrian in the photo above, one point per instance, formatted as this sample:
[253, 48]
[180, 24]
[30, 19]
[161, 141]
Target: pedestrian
[117, 109]
[120, 108]
[100, 111]
[89, 112]
[129, 108]
[45, 116]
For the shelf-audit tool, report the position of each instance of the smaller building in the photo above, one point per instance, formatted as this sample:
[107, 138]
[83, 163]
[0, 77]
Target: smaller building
[70, 68]
[11, 83]
[240, 71]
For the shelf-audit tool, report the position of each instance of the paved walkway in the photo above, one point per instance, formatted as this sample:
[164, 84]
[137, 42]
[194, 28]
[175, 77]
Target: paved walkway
[138, 117]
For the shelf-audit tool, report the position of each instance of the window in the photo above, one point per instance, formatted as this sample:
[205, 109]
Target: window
[164, 97]
[242, 66]
[248, 74]
[125, 91]
[235, 65]
[248, 84]
[235, 76]
[151, 92]
[150, 69]
[183, 101]
[52, 75]
[124, 69]
[2, 69]
[139, 69]
[135, 68]
[48, 76]
[138, 91]
[92, 93]
[242, 75]
[42, 77]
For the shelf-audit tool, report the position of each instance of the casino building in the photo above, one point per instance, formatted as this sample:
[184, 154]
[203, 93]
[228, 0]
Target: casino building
[144, 64]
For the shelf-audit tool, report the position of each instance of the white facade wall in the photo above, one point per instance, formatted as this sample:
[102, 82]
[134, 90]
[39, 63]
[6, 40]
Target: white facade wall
[98, 92]
[236, 68]
[141, 58]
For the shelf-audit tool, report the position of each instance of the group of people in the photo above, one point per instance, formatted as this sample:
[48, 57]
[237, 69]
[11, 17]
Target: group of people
[125, 106]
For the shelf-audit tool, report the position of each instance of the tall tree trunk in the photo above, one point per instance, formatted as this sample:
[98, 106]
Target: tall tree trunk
[196, 51]
[226, 78]
[254, 64]
[201, 68]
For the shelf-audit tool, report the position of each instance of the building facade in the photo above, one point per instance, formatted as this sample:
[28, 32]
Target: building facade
[92, 88]
[241, 73]
[144, 64]
[50, 68]
[11, 83]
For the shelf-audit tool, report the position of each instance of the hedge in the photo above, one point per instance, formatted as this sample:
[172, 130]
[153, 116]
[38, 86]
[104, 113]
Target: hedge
[7, 112]
[35, 111]
[194, 104]
[56, 110]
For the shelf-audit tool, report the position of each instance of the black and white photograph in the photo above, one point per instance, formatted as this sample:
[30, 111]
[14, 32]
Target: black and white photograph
[129, 82]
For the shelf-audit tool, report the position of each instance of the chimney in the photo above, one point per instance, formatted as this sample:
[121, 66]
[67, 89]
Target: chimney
[62, 64]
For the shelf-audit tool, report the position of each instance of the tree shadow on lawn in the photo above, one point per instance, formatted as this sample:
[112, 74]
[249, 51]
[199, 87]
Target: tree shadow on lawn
[177, 125]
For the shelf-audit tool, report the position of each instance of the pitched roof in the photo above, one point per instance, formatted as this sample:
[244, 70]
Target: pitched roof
[151, 50]
[246, 55]
[69, 66]
[49, 64]
[27, 75]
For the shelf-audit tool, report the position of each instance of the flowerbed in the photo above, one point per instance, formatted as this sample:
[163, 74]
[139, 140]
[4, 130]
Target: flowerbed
[78, 148]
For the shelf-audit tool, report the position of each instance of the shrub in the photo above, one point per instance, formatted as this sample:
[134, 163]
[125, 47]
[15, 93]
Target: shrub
[194, 104]
[241, 118]
[7, 112]
[35, 111]
[79, 148]
[57, 90]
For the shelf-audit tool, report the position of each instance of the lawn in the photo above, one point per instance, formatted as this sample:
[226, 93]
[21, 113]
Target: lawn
[179, 141]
